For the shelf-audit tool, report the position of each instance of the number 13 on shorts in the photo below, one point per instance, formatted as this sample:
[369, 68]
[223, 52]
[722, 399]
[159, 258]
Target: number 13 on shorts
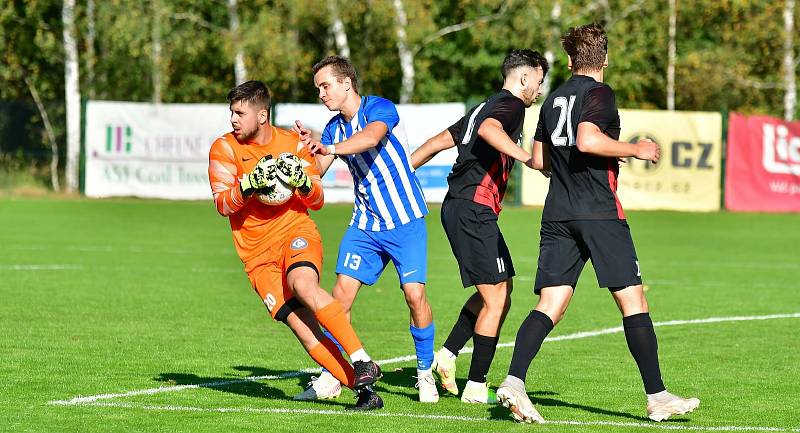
[352, 261]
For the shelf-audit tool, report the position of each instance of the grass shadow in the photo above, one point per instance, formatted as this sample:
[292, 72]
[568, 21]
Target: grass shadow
[245, 385]
[499, 412]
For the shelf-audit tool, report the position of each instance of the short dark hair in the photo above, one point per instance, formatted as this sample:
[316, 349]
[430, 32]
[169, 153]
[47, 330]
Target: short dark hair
[519, 58]
[587, 46]
[253, 92]
[341, 68]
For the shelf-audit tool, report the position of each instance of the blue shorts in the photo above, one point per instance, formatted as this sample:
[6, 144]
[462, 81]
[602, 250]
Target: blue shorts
[364, 254]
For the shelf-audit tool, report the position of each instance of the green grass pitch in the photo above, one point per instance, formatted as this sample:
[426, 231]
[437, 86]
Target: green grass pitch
[127, 303]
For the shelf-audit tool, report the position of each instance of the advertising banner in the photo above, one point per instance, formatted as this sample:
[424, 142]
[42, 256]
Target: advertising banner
[763, 164]
[420, 121]
[687, 177]
[151, 150]
[161, 150]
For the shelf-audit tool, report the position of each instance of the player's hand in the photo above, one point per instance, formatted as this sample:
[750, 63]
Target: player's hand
[303, 132]
[317, 148]
[648, 150]
[262, 175]
[289, 169]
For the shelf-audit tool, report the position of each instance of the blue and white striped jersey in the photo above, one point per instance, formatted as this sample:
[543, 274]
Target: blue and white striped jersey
[388, 193]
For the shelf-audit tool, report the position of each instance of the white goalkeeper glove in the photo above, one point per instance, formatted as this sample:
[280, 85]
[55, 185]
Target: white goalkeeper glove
[289, 169]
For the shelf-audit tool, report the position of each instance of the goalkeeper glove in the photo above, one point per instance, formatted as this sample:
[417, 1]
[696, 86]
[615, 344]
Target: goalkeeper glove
[261, 176]
[289, 169]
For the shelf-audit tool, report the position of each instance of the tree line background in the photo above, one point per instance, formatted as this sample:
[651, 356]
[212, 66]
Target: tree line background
[704, 55]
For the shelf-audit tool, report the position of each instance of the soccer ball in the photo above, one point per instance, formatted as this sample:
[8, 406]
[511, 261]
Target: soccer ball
[275, 194]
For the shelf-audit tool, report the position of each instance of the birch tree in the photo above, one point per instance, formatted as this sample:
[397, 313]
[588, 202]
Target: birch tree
[549, 54]
[49, 132]
[72, 97]
[337, 29]
[789, 83]
[673, 13]
[91, 34]
[403, 51]
[155, 35]
[239, 68]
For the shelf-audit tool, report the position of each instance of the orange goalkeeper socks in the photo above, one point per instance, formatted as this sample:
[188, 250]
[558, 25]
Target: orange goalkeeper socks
[328, 356]
[332, 317]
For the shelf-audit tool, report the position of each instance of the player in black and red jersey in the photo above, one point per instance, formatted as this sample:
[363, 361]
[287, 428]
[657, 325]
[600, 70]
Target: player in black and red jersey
[577, 142]
[487, 139]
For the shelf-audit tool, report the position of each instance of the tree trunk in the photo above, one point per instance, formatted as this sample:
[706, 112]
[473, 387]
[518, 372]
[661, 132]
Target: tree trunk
[49, 133]
[72, 98]
[156, 54]
[337, 28]
[789, 83]
[549, 55]
[91, 35]
[673, 13]
[239, 69]
[406, 56]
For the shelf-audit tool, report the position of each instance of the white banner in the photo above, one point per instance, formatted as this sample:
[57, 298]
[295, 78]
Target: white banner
[151, 150]
[161, 151]
[422, 121]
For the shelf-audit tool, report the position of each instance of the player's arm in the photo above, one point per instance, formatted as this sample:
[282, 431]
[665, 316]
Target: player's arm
[541, 158]
[381, 117]
[429, 149]
[591, 139]
[315, 198]
[598, 112]
[361, 141]
[223, 176]
[539, 150]
[324, 162]
[491, 131]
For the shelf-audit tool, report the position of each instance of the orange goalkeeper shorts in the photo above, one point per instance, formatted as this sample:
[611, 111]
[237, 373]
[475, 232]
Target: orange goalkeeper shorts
[268, 277]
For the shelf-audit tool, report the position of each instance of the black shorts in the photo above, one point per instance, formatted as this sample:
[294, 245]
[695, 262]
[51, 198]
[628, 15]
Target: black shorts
[566, 246]
[477, 243]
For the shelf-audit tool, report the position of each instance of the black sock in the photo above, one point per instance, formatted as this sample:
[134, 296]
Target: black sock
[462, 331]
[643, 346]
[482, 357]
[530, 336]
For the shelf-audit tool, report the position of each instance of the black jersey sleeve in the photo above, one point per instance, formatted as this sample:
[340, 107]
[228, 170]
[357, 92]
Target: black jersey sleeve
[510, 112]
[456, 128]
[599, 107]
[540, 129]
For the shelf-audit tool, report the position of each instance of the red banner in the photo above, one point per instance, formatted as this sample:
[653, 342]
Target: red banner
[762, 172]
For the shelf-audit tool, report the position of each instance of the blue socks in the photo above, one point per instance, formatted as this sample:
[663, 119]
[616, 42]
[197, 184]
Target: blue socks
[423, 344]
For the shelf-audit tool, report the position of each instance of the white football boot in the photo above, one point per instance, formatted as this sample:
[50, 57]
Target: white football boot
[661, 408]
[518, 403]
[445, 368]
[427, 388]
[324, 387]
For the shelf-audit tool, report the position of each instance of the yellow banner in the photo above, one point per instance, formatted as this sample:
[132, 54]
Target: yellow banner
[687, 177]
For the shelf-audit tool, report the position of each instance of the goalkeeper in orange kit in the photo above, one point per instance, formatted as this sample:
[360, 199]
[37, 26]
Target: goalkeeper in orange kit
[276, 239]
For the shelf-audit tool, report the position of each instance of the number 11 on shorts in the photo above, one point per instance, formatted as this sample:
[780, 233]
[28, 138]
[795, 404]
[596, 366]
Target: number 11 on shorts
[352, 261]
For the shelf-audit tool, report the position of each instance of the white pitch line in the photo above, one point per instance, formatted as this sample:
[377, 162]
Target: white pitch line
[383, 414]
[40, 267]
[574, 336]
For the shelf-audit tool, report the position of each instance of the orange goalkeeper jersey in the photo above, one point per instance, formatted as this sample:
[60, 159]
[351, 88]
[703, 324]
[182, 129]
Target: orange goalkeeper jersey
[257, 226]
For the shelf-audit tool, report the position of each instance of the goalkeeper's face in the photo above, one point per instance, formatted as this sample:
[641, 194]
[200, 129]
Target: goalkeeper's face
[246, 120]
